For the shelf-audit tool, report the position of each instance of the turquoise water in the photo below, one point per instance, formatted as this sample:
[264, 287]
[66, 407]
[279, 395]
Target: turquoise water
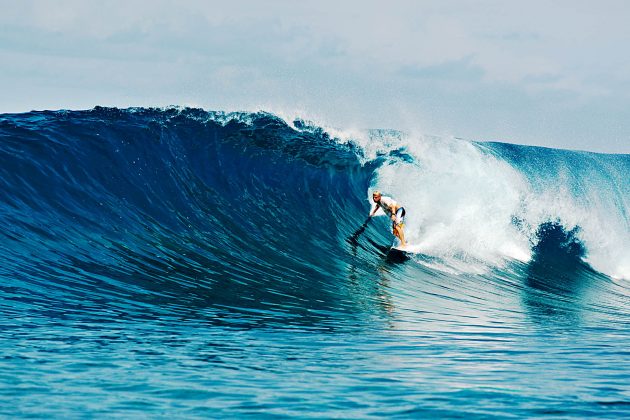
[191, 264]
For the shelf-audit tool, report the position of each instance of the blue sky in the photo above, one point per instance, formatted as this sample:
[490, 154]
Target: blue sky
[539, 72]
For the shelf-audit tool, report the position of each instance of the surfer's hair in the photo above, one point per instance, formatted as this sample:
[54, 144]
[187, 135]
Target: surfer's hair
[377, 192]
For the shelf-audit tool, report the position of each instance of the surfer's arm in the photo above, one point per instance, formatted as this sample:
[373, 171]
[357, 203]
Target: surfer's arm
[393, 209]
[374, 210]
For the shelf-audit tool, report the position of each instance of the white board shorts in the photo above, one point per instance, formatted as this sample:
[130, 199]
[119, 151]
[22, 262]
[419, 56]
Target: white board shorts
[400, 217]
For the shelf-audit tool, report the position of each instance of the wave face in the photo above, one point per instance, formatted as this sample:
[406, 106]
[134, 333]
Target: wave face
[209, 263]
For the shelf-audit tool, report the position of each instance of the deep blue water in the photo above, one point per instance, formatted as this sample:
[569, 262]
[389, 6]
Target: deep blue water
[178, 262]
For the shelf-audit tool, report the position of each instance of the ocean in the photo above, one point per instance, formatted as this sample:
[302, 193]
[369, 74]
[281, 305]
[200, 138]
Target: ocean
[176, 262]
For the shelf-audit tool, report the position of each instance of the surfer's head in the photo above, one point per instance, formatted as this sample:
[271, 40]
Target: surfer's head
[376, 196]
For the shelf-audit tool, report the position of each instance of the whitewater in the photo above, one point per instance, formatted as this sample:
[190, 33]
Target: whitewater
[214, 264]
[479, 205]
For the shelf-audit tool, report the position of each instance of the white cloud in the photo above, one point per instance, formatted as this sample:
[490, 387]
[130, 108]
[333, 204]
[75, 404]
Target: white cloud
[367, 61]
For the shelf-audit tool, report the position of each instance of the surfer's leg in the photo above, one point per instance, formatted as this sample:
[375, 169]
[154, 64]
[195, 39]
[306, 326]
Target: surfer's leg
[400, 233]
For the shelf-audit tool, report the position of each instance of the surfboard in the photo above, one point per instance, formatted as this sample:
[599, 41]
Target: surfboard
[396, 245]
[401, 248]
[397, 254]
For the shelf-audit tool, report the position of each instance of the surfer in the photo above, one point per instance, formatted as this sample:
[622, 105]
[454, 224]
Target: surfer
[395, 211]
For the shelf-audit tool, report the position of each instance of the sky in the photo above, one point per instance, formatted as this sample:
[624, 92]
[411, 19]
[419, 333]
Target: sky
[548, 73]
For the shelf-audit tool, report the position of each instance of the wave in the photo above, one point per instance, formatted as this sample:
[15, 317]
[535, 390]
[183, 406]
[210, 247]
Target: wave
[154, 205]
[168, 209]
[180, 260]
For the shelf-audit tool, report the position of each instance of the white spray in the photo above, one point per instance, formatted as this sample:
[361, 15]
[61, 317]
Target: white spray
[462, 205]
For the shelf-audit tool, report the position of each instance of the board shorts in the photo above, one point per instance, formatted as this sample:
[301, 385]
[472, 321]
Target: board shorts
[400, 218]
